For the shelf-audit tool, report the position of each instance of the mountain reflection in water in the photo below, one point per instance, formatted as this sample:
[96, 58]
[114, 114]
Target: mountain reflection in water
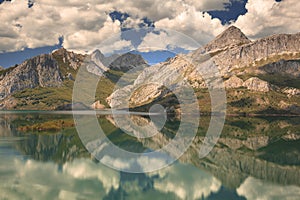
[255, 158]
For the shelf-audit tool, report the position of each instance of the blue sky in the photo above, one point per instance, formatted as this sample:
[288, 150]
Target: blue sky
[40, 26]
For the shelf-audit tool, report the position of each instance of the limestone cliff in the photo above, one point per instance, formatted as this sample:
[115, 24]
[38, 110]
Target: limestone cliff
[40, 71]
[46, 81]
[257, 67]
[229, 38]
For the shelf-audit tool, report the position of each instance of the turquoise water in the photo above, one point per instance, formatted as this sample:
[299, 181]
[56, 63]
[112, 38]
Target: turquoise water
[255, 158]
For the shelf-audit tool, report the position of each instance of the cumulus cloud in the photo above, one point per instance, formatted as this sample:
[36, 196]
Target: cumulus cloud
[86, 169]
[141, 164]
[87, 39]
[115, 45]
[192, 185]
[83, 24]
[267, 17]
[209, 5]
[86, 24]
[198, 25]
[38, 180]
[157, 9]
[253, 189]
[166, 40]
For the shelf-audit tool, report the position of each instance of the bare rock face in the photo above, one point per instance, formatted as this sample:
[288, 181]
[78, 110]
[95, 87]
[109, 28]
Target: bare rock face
[8, 103]
[70, 77]
[69, 58]
[39, 71]
[97, 105]
[257, 84]
[233, 82]
[253, 83]
[128, 61]
[148, 85]
[290, 68]
[149, 92]
[253, 143]
[291, 137]
[292, 108]
[291, 91]
[231, 37]
[233, 53]
[100, 59]
[259, 53]
[98, 63]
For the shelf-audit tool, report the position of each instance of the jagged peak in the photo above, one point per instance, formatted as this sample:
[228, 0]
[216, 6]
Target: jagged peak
[232, 36]
[129, 54]
[97, 52]
[129, 59]
[232, 32]
[60, 50]
[63, 51]
[232, 29]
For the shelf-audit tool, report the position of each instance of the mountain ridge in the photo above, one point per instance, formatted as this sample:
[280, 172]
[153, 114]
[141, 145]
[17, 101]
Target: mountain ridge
[248, 61]
[230, 37]
[46, 81]
[260, 76]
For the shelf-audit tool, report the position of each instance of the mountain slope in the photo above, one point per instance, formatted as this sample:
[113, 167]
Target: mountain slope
[231, 37]
[261, 77]
[45, 82]
[41, 71]
[251, 72]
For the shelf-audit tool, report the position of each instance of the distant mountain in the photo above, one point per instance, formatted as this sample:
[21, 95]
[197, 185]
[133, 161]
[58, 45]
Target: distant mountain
[260, 76]
[128, 61]
[99, 64]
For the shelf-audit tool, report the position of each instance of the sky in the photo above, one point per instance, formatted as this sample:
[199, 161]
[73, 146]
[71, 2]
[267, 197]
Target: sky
[33, 27]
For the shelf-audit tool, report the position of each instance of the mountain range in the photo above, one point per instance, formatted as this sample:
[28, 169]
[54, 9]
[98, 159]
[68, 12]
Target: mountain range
[260, 77]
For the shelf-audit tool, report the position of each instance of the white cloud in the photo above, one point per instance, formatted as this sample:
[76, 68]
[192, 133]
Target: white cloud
[267, 17]
[192, 185]
[253, 189]
[86, 24]
[26, 179]
[132, 23]
[166, 40]
[208, 5]
[111, 45]
[117, 163]
[82, 23]
[200, 26]
[86, 39]
[158, 9]
[86, 169]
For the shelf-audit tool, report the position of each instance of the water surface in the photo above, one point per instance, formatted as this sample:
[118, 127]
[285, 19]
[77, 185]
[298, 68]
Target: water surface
[255, 158]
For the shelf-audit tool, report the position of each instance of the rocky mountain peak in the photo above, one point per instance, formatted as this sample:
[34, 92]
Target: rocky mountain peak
[99, 63]
[69, 58]
[97, 55]
[128, 61]
[232, 36]
[60, 51]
